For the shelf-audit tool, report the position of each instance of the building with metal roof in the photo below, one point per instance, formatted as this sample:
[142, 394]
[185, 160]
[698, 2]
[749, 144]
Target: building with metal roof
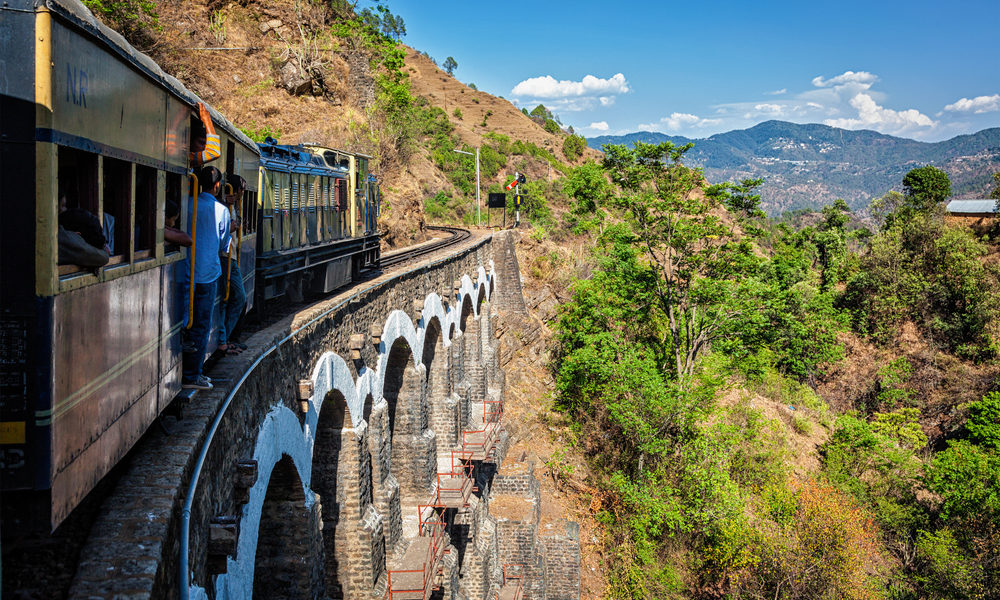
[977, 206]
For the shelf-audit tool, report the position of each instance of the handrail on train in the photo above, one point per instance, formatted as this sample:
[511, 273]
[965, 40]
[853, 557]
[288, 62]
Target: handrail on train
[195, 191]
[183, 570]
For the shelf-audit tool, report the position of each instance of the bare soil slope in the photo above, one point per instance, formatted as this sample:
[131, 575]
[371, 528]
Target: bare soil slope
[235, 56]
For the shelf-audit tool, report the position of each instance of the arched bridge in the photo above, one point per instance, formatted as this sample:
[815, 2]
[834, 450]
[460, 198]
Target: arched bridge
[353, 457]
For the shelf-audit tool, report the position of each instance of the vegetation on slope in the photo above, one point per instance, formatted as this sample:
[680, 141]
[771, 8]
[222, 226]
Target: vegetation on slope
[695, 292]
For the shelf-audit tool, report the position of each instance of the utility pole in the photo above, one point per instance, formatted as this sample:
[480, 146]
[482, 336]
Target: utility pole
[478, 218]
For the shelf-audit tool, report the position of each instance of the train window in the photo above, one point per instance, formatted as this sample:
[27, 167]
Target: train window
[78, 179]
[230, 156]
[117, 205]
[173, 205]
[341, 194]
[249, 212]
[145, 209]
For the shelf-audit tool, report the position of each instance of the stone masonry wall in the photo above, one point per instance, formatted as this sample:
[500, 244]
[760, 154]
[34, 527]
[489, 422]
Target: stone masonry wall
[374, 475]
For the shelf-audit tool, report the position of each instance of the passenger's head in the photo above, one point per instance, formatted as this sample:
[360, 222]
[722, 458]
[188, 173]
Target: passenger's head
[238, 184]
[171, 213]
[210, 180]
[199, 136]
[84, 223]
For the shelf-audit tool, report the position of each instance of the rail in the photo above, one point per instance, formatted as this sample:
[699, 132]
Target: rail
[427, 550]
[185, 538]
[454, 488]
[457, 235]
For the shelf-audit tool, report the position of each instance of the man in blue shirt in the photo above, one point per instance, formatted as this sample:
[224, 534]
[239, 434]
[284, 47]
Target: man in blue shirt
[210, 238]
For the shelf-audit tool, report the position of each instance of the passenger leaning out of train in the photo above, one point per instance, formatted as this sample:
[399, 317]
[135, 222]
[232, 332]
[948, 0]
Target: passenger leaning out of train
[171, 234]
[210, 222]
[81, 241]
[205, 143]
[232, 295]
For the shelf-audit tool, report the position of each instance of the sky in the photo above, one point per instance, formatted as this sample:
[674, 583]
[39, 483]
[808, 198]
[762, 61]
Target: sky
[916, 69]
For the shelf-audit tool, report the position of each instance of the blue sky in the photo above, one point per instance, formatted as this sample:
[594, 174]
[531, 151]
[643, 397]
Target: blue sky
[924, 70]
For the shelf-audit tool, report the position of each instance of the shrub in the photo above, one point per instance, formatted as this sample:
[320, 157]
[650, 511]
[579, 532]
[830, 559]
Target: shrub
[984, 421]
[134, 19]
[458, 113]
[573, 146]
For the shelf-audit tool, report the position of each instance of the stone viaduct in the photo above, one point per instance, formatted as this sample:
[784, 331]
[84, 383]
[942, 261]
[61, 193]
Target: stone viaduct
[357, 459]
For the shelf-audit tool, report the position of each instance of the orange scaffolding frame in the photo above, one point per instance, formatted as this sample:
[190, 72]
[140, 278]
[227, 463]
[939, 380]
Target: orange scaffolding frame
[432, 529]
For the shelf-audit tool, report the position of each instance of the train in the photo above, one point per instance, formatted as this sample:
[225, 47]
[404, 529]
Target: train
[91, 357]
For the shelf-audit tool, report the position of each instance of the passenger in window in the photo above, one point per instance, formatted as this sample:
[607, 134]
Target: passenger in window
[210, 239]
[171, 234]
[205, 144]
[81, 241]
[232, 279]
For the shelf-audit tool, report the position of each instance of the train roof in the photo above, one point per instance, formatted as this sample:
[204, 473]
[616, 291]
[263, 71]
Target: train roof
[297, 159]
[80, 16]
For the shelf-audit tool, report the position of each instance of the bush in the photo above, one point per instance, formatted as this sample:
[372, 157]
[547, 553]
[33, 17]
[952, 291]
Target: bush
[573, 146]
[134, 19]
[984, 421]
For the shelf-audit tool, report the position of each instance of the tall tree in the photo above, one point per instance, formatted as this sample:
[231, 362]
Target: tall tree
[450, 64]
[926, 187]
[702, 260]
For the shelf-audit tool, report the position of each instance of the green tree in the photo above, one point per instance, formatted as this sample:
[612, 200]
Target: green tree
[926, 187]
[450, 64]
[587, 186]
[984, 421]
[700, 261]
[573, 146]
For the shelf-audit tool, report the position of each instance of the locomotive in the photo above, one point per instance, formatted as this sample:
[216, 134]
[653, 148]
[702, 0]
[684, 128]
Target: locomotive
[89, 358]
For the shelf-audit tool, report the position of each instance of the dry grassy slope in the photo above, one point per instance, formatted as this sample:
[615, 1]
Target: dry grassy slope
[242, 84]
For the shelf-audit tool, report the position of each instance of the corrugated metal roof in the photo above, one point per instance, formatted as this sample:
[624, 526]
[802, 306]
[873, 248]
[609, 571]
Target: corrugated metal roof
[972, 206]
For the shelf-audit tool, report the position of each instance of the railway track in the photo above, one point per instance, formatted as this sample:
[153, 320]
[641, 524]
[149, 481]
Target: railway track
[396, 258]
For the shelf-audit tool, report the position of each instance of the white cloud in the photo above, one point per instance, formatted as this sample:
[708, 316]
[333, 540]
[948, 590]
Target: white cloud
[776, 92]
[607, 100]
[769, 108]
[548, 87]
[677, 121]
[815, 105]
[886, 120]
[862, 78]
[977, 105]
[598, 126]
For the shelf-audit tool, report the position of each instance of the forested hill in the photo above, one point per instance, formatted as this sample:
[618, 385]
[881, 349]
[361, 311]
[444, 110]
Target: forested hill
[808, 166]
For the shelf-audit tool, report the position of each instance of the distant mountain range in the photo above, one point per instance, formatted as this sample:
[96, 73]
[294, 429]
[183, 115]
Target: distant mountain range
[808, 166]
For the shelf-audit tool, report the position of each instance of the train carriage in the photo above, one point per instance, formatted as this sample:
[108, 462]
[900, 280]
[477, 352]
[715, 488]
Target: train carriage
[91, 357]
[317, 227]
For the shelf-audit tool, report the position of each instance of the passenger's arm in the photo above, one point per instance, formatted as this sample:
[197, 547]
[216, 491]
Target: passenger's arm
[175, 236]
[213, 145]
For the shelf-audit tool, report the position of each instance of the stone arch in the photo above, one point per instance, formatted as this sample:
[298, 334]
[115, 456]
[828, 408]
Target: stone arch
[412, 450]
[442, 405]
[337, 471]
[286, 537]
[397, 373]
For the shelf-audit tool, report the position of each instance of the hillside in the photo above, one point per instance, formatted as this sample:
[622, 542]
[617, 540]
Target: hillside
[808, 166]
[278, 68]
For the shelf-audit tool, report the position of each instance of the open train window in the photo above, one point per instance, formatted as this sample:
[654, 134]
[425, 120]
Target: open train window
[249, 212]
[77, 180]
[117, 206]
[145, 210]
[172, 206]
